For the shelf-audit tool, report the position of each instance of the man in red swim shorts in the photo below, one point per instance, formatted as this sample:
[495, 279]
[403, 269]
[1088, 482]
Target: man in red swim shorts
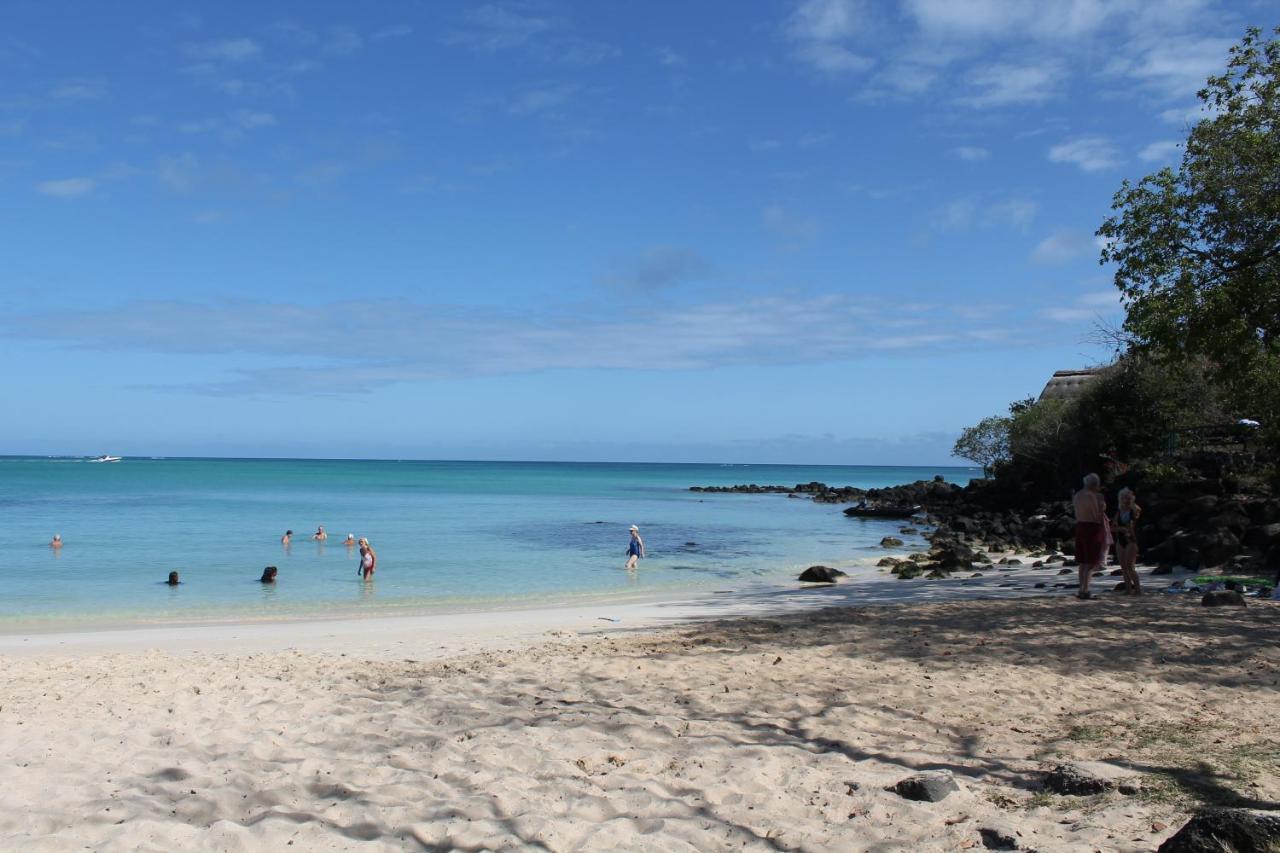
[1090, 509]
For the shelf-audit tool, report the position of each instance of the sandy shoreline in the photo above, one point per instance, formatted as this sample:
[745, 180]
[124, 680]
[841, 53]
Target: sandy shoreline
[776, 731]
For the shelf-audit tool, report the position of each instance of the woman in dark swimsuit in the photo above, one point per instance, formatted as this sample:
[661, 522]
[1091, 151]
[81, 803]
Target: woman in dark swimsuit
[1125, 526]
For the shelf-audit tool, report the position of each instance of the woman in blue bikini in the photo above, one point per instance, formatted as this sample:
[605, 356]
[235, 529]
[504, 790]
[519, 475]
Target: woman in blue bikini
[635, 550]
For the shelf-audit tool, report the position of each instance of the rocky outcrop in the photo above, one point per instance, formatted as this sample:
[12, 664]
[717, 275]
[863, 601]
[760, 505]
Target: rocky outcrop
[1089, 777]
[931, 787]
[1227, 831]
[821, 574]
[1222, 598]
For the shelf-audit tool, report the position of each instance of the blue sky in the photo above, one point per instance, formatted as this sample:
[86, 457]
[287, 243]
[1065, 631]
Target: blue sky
[828, 231]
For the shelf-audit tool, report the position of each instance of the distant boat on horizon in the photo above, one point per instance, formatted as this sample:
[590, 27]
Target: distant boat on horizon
[106, 459]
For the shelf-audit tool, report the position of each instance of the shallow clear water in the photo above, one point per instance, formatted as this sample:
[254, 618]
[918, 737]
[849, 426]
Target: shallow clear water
[448, 535]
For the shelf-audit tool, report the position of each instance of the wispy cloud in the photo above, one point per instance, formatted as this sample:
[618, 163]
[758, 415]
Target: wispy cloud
[67, 187]
[1062, 247]
[1090, 153]
[304, 347]
[81, 89]
[542, 99]
[970, 153]
[1005, 85]
[1165, 151]
[794, 229]
[1090, 306]
[821, 33]
[657, 268]
[394, 31]
[984, 212]
[343, 41]
[226, 50]
[493, 28]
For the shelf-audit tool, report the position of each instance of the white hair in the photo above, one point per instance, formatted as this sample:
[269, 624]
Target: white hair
[1126, 492]
[1092, 480]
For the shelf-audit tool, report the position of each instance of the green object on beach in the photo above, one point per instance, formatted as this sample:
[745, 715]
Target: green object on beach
[1241, 579]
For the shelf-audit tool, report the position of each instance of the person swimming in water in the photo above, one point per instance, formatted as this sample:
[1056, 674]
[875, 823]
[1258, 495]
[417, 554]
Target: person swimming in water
[286, 538]
[56, 542]
[350, 541]
[268, 575]
[635, 548]
[320, 535]
[173, 579]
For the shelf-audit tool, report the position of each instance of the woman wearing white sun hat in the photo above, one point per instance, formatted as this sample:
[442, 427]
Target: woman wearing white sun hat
[635, 550]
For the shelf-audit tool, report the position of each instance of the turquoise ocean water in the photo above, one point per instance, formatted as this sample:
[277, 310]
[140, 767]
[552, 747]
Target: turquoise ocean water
[449, 535]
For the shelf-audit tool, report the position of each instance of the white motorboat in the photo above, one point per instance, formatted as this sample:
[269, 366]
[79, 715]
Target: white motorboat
[106, 459]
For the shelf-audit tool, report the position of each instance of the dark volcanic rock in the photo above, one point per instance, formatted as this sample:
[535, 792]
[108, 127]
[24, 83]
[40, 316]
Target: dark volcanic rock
[932, 787]
[1223, 598]
[1227, 831]
[1085, 778]
[821, 574]
[994, 838]
[891, 542]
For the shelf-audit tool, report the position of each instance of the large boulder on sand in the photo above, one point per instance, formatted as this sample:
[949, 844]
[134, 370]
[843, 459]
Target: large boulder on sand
[1222, 598]
[1227, 831]
[1085, 778]
[931, 787]
[821, 574]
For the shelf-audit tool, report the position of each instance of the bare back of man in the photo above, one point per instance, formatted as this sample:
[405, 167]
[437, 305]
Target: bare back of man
[1090, 509]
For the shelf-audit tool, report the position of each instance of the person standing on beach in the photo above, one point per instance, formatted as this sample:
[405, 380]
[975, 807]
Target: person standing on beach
[368, 560]
[1090, 509]
[1125, 526]
[635, 549]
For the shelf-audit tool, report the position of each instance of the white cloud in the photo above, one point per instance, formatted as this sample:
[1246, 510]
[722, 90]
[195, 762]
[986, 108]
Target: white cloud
[226, 50]
[1165, 151]
[421, 342]
[543, 99]
[670, 58]
[1005, 85]
[970, 153]
[1062, 247]
[177, 172]
[343, 41]
[759, 145]
[67, 187]
[253, 118]
[974, 212]
[1090, 306]
[1090, 153]
[1173, 66]
[820, 31]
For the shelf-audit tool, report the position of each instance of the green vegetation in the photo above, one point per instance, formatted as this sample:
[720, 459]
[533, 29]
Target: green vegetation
[987, 443]
[1197, 250]
[1197, 260]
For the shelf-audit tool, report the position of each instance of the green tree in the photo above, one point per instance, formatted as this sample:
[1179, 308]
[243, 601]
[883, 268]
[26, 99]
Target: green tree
[1197, 249]
[987, 443]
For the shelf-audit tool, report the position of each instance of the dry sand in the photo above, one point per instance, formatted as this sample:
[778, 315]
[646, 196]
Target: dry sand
[765, 733]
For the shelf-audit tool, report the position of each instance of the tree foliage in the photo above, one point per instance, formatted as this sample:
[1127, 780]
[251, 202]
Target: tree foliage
[1197, 249]
[986, 443]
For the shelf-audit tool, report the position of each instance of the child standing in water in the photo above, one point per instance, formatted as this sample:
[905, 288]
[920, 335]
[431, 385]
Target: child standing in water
[635, 549]
[368, 560]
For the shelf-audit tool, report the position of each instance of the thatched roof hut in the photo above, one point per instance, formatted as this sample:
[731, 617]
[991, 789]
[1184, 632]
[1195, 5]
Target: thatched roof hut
[1069, 384]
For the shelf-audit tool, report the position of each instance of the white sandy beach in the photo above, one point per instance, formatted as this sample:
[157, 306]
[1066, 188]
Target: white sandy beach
[668, 729]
